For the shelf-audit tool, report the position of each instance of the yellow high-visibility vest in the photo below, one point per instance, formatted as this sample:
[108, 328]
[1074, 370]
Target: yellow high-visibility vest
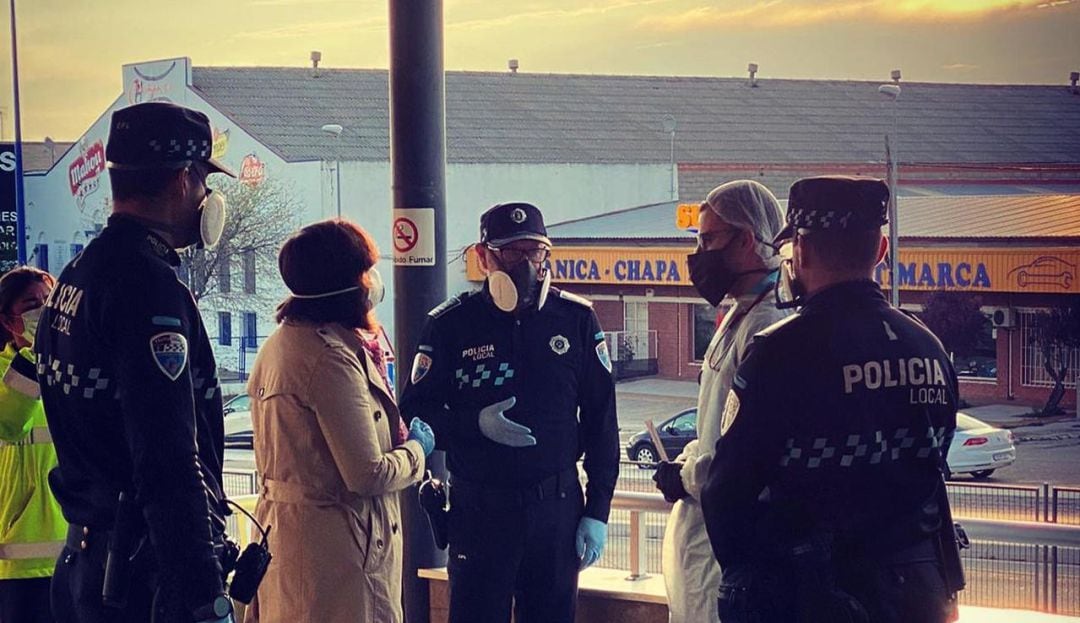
[32, 529]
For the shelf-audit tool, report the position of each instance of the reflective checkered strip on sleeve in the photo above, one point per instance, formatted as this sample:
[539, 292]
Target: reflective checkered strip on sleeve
[862, 449]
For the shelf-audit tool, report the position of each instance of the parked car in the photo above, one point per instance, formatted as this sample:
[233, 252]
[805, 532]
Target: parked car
[238, 429]
[979, 449]
[675, 433]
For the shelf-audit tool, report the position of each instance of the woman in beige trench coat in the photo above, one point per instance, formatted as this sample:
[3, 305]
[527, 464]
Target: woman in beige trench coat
[329, 442]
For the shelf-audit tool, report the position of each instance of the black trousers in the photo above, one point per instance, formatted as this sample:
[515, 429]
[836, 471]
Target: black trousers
[906, 587]
[514, 549]
[25, 601]
[77, 582]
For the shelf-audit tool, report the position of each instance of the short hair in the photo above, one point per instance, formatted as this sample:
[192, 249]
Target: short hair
[140, 184]
[844, 250]
[14, 284]
[326, 257]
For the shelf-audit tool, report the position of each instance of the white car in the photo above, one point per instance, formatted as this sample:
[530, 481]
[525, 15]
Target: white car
[979, 449]
[237, 420]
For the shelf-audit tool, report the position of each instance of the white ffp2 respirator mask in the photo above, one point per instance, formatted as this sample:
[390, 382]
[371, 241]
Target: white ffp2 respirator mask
[211, 219]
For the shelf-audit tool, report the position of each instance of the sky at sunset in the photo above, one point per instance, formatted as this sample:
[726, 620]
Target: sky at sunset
[71, 51]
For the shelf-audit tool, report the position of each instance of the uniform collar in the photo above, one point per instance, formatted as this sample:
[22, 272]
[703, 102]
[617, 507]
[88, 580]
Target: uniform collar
[847, 291]
[148, 241]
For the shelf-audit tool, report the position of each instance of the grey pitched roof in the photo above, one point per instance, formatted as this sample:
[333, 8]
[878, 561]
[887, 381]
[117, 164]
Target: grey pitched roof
[40, 156]
[560, 118]
[1019, 212]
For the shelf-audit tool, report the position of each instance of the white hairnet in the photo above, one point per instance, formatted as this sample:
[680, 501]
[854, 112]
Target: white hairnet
[749, 205]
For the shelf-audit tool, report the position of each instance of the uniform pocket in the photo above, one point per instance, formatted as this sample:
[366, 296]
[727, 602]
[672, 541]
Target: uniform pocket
[18, 499]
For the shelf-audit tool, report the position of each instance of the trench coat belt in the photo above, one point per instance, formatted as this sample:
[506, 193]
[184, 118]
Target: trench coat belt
[283, 492]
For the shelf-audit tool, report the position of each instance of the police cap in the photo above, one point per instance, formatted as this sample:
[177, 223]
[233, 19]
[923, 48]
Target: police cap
[160, 135]
[508, 222]
[836, 202]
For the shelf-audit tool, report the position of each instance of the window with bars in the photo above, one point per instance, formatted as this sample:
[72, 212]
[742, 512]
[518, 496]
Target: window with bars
[251, 330]
[225, 328]
[249, 272]
[225, 275]
[1032, 371]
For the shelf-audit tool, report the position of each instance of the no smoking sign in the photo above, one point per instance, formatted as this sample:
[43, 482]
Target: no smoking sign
[413, 236]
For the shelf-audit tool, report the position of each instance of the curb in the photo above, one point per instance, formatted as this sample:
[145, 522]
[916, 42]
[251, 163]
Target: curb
[1049, 437]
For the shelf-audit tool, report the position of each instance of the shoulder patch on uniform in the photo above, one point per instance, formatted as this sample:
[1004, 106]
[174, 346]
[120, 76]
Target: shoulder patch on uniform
[445, 306]
[170, 351]
[573, 298]
[421, 365]
[731, 411]
[603, 355]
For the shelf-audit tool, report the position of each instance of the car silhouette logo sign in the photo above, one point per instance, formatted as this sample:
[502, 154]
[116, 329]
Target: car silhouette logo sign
[1045, 271]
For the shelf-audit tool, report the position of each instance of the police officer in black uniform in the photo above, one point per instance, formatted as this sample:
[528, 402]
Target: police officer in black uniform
[130, 387]
[825, 500]
[516, 382]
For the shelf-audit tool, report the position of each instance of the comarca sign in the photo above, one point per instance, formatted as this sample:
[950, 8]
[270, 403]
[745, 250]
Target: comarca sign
[1051, 269]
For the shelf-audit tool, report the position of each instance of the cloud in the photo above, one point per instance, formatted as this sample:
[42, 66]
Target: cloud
[591, 9]
[369, 24]
[796, 13]
[268, 3]
[959, 67]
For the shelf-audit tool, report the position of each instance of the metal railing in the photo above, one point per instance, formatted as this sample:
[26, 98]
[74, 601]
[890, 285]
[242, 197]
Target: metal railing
[1024, 555]
[633, 353]
[1011, 564]
[1065, 505]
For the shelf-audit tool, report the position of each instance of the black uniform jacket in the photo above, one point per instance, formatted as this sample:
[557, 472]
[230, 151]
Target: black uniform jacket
[130, 388]
[836, 424]
[553, 360]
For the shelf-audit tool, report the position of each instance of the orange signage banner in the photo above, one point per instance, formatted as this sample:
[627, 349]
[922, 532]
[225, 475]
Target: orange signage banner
[1032, 269]
[1049, 270]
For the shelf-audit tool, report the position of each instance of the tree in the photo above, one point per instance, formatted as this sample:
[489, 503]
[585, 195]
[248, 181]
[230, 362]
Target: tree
[258, 220]
[955, 318]
[1057, 333]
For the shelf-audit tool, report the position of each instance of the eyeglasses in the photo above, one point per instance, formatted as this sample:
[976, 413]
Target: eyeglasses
[513, 256]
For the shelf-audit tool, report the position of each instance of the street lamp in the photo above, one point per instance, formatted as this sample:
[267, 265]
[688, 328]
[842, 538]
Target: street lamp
[669, 126]
[335, 130]
[892, 92]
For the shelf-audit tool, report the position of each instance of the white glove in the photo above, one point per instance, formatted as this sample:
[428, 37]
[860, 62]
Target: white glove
[495, 426]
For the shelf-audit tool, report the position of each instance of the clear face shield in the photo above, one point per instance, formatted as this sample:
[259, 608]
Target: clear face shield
[789, 292]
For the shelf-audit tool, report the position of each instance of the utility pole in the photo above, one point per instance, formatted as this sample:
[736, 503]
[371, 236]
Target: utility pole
[418, 164]
[20, 199]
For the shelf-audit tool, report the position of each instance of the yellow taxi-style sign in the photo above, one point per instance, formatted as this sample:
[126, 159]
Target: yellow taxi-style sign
[686, 215]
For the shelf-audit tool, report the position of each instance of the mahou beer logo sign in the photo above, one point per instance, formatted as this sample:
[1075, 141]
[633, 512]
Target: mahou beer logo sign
[252, 170]
[84, 173]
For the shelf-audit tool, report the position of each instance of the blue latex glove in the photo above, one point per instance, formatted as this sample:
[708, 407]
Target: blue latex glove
[590, 540]
[420, 432]
[496, 427]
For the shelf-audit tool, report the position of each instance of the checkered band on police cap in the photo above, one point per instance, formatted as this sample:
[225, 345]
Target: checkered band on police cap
[160, 135]
[836, 202]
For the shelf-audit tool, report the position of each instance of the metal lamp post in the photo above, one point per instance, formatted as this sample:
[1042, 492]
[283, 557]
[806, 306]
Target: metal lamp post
[20, 199]
[892, 92]
[335, 130]
[669, 126]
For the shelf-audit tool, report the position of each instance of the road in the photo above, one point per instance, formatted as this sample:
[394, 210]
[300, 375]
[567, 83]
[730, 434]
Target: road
[1045, 453]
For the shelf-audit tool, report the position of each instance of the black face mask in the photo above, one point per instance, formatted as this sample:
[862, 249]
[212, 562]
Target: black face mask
[711, 276]
[523, 276]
